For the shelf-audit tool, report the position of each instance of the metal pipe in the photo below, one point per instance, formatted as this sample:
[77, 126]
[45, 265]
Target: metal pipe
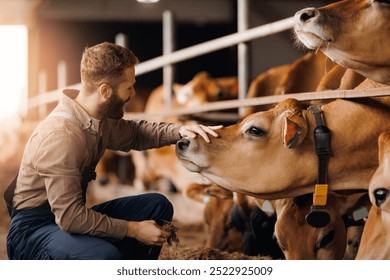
[168, 48]
[243, 50]
[187, 53]
[214, 45]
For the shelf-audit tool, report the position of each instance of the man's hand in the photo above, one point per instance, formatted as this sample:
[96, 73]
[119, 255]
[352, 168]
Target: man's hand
[147, 232]
[192, 130]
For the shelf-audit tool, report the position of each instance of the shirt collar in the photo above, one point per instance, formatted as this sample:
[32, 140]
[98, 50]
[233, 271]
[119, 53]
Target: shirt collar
[67, 100]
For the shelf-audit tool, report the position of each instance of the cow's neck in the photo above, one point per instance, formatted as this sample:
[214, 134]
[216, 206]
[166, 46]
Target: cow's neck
[355, 126]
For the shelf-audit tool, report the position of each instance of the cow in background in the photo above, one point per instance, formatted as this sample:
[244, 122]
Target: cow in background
[311, 72]
[236, 222]
[301, 241]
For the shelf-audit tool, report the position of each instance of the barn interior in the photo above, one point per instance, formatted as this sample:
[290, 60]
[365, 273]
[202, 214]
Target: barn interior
[54, 33]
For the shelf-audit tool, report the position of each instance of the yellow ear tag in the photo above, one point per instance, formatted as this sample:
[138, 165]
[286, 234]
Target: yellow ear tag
[320, 194]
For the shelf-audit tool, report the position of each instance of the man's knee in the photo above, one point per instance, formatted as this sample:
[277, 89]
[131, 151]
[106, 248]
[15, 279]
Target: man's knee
[107, 252]
[163, 207]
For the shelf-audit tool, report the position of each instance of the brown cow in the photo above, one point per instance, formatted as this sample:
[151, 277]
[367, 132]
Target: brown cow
[311, 72]
[236, 222]
[300, 241]
[376, 235]
[271, 154]
[353, 33]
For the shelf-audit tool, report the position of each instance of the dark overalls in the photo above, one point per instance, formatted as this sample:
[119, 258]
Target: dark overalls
[33, 233]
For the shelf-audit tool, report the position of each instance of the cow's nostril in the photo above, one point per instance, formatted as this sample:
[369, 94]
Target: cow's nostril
[380, 195]
[182, 144]
[308, 14]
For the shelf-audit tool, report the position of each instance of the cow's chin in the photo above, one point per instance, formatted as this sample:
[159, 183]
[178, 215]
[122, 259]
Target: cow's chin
[220, 181]
[309, 40]
[190, 166]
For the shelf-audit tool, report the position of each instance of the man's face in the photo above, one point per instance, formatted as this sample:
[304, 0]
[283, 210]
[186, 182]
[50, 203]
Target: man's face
[114, 106]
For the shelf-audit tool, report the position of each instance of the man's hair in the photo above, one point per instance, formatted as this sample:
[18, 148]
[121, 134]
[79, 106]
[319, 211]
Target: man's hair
[105, 63]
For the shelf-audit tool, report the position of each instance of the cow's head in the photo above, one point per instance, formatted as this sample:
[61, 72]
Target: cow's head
[299, 240]
[264, 154]
[379, 188]
[353, 33]
[204, 88]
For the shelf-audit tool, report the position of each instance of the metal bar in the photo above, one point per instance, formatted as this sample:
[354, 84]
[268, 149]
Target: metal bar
[265, 100]
[42, 87]
[168, 48]
[243, 50]
[190, 52]
[62, 77]
[216, 44]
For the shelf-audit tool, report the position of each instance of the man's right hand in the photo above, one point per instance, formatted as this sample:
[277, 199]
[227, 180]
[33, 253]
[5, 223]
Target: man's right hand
[147, 232]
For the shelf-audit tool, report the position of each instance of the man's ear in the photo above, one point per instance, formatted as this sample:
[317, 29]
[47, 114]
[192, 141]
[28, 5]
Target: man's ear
[105, 91]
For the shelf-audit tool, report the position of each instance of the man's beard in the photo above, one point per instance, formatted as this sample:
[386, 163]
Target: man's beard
[113, 107]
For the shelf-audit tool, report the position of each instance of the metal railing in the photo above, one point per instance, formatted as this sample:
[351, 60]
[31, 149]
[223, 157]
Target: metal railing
[183, 54]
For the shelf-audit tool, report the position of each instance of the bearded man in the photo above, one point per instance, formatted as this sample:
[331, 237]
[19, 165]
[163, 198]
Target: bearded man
[47, 200]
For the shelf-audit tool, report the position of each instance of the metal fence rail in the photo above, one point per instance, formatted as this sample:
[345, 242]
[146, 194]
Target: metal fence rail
[265, 100]
[183, 54]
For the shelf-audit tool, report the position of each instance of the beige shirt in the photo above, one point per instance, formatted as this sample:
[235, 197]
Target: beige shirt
[61, 147]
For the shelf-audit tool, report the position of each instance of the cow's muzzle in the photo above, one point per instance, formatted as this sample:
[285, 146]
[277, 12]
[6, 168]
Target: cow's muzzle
[182, 145]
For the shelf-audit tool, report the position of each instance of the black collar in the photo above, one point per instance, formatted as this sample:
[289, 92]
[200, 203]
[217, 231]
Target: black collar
[318, 216]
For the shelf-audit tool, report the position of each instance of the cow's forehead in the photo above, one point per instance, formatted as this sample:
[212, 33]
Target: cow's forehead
[259, 119]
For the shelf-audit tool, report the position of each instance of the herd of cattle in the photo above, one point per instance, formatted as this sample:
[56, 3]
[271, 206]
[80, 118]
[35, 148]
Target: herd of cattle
[258, 178]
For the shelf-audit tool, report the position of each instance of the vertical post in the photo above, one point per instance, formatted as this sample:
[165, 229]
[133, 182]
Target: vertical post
[243, 50]
[62, 77]
[168, 47]
[121, 40]
[42, 88]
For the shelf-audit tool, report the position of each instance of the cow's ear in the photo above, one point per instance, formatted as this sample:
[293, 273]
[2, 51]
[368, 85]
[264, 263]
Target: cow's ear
[196, 192]
[295, 128]
[219, 192]
[352, 207]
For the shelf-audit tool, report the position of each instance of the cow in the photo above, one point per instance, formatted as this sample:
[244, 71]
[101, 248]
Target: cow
[202, 88]
[271, 154]
[236, 222]
[352, 33]
[337, 240]
[375, 239]
[311, 72]
[257, 226]
[256, 222]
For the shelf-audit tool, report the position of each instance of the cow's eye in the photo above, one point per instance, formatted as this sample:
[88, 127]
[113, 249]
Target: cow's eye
[384, 1]
[255, 131]
[328, 238]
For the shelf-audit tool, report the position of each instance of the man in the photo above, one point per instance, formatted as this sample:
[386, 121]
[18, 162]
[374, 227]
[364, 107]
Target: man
[49, 216]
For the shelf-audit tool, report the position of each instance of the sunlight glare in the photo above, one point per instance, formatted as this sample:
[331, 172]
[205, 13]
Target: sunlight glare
[13, 68]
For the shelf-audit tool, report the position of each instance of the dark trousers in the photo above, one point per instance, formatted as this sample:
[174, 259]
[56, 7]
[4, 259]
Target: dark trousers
[34, 234]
